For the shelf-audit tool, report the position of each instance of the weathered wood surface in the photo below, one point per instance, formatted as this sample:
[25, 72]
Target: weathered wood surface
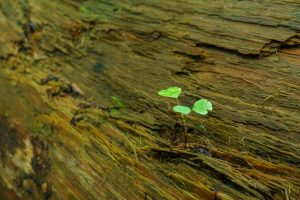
[244, 56]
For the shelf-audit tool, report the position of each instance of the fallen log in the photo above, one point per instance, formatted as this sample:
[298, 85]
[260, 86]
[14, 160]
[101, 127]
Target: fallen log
[80, 117]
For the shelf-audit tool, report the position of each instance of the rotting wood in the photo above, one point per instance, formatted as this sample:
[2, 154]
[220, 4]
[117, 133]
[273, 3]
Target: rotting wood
[243, 56]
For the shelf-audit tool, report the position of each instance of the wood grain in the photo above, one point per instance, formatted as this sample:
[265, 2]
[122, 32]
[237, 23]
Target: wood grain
[65, 138]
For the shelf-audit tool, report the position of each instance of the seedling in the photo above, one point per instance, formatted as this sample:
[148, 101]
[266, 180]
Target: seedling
[117, 105]
[201, 106]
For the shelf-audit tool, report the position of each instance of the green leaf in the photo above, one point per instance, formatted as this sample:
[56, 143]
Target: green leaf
[202, 106]
[182, 109]
[172, 92]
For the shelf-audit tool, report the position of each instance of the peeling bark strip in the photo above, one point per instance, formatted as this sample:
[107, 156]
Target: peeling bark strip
[78, 88]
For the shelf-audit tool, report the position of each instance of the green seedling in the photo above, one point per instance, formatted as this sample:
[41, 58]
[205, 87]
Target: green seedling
[117, 105]
[201, 106]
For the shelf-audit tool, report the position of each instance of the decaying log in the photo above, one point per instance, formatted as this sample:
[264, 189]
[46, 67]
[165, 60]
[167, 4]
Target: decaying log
[80, 117]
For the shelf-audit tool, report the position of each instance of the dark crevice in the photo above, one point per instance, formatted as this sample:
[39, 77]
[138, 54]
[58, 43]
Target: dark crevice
[231, 51]
[274, 46]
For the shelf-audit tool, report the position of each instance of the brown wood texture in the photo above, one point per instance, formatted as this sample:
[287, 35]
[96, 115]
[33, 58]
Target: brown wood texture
[80, 117]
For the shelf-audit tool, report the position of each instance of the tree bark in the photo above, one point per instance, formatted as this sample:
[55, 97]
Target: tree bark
[80, 117]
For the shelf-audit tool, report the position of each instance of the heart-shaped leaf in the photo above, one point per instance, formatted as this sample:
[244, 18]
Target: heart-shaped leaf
[172, 92]
[202, 106]
[182, 109]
